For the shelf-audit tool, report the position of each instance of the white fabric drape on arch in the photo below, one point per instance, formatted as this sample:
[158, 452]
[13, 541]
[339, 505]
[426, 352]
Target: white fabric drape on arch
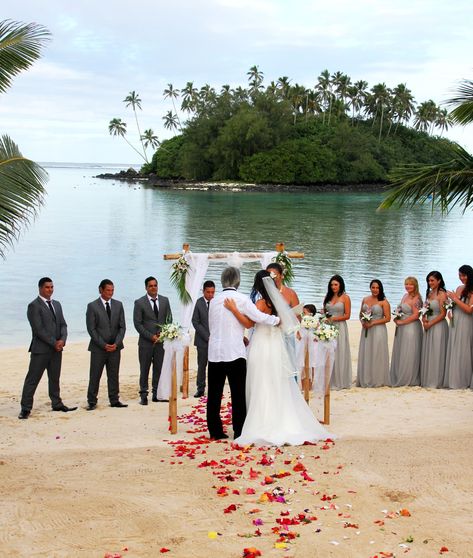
[321, 355]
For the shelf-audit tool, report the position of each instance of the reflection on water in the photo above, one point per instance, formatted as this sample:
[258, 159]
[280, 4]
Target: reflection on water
[90, 229]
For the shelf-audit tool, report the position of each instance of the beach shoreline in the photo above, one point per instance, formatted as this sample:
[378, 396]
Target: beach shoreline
[90, 483]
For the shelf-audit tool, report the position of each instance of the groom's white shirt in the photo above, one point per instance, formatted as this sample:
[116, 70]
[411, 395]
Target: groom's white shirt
[226, 332]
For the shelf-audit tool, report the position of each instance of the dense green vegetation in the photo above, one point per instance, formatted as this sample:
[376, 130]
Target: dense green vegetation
[337, 132]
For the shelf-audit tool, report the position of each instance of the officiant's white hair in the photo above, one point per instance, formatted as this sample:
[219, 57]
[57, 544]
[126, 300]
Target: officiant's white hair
[230, 278]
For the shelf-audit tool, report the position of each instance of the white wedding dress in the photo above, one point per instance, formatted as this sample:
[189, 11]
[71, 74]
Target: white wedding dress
[277, 413]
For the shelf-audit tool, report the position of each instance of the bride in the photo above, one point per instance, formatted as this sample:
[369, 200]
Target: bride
[277, 413]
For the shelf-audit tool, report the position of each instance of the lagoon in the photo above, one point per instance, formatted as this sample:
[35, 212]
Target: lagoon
[89, 229]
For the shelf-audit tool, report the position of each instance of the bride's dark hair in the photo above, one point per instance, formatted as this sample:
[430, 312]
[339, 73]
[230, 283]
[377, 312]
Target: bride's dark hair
[260, 289]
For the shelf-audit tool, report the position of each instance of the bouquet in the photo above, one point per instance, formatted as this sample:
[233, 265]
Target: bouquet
[426, 310]
[170, 332]
[325, 331]
[179, 272]
[398, 315]
[366, 316]
[449, 305]
[309, 322]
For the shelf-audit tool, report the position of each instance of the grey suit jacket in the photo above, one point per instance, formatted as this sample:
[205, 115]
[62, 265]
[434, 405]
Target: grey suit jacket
[103, 331]
[200, 321]
[45, 330]
[145, 321]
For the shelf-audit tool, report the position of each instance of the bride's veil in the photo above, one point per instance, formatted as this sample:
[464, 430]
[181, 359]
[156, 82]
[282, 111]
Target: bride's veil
[289, 322]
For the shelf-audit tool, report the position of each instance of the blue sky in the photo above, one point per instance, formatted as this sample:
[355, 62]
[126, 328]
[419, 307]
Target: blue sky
[60, 109]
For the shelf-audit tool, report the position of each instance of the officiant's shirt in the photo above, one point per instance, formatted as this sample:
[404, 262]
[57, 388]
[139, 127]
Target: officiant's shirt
[226, 332]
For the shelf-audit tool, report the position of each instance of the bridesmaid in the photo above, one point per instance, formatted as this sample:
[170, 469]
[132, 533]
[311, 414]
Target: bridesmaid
[434, 342]
[373, 354]
[337, 307]
[459, 367]
[407, 347]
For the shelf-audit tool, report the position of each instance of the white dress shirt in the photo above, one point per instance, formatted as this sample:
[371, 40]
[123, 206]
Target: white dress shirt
[226, 332]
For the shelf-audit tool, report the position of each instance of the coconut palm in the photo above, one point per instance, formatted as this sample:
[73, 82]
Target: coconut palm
[172, 93]
[171, 121]
[21, 181]
[133, 100]
[150, 139]
[425, 116]
[255, 79]
[324, 89]
[402, 104]
[447, 184]
[117, 127]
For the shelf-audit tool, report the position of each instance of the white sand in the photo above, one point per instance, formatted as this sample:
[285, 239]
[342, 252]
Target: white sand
[91, 483]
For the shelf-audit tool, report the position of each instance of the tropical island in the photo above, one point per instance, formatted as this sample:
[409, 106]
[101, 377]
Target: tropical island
[335, 135]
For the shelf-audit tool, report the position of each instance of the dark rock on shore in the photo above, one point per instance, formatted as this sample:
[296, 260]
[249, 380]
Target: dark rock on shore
[131, 175]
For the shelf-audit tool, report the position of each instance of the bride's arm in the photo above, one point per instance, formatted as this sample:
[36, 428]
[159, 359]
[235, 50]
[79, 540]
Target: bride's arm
[230, 304]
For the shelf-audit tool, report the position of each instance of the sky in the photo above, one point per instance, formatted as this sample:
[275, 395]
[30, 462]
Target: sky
[59, 110]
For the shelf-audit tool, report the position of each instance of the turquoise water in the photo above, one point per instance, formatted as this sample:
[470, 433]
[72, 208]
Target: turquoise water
[90, 229]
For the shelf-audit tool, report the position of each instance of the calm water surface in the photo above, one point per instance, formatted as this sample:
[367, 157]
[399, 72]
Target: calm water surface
[90, 229]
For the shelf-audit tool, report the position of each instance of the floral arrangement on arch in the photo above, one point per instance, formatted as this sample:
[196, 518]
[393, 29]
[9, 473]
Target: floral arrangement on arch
[179, 271]
[286, 263]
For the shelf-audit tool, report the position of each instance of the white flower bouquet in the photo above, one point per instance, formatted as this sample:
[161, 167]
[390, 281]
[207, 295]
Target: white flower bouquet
[170, 332]
[426, 310]
[366, 317]
[449, 305]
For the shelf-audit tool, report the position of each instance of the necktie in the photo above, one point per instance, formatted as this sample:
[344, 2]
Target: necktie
[109, 312]
[208, 305]
[52, 309]
[155, 307]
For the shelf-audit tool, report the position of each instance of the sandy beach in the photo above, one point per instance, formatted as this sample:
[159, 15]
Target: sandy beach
[114, 482]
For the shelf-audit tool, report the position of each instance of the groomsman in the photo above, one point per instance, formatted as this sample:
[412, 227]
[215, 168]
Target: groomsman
[200, 321]
[49, 330]
[288, 294]
[105, 319]
[150, 313]
[227, 353]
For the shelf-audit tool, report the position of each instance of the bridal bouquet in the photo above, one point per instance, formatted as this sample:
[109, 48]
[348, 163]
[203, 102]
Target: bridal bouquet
[179, 272]
[398, 315]
[449, 305]
[366, 316]
[170, 332]
[309, 322]
[325, 331]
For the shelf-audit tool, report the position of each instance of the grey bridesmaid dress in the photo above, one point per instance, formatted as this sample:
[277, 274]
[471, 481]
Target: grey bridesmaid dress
[342, 372]
[373, 354]
[434, 351]
[459, 364]
[407, 348]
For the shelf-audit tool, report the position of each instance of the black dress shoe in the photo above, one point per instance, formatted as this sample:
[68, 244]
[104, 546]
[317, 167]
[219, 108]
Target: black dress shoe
[144, 400]
[118, 404]
[91, 407]
[24, 414]
[64, 409]
[199, 394]
[221, 436]
[155, 398]
[163, 400]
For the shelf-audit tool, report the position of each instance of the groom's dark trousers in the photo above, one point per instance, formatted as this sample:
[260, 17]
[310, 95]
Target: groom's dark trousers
[235, 371]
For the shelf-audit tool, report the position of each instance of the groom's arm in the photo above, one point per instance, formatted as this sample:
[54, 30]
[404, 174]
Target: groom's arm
[250, 310]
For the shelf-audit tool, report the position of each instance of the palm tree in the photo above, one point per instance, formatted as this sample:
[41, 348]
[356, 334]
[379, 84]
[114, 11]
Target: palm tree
[172, 93]
[21, 181]
[447, 184]
[255, 79]
[443, 120]
[379, 104]
[356, 94]
[324, 89]
[171, 121]
[149, 138]
[133, 100]
[425, 116]
[403, 104]
[117, 127]
[283, 85]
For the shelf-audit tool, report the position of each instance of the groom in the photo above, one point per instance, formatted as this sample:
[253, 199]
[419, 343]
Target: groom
[227, 353]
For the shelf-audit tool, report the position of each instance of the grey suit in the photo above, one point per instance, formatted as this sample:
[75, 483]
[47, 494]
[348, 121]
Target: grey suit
[46, 329]
[200, 321]
[103, 331]
[148, 325]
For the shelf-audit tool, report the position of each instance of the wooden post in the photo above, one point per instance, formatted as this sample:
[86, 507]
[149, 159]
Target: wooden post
[327, 393]
[279, 246]
[185, 374]
[306, 376]
[173, 398]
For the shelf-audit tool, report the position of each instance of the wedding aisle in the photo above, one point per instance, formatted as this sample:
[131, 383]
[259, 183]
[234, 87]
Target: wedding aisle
[113, 482]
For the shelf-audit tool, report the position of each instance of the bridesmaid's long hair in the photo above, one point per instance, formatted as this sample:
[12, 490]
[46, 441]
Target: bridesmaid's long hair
[381, 295]
[468, 271]
[260, 289]
[437, 276]
[330, 294]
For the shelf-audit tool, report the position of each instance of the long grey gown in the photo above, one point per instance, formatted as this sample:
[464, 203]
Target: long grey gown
[373, 354]
[342, 372]
[407, 348]
[434, 351]
[459, 363]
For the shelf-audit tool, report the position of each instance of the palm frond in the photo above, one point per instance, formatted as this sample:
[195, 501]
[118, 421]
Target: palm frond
[21, 191]
[463, 103]
[444, 185]
[20, 46]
